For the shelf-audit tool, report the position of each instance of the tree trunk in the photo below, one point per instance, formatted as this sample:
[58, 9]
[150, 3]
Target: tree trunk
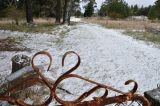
[29, 14]
[67, 10]
[58, 11]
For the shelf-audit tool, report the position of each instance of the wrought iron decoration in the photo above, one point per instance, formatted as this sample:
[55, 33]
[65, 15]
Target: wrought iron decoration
[97, 101]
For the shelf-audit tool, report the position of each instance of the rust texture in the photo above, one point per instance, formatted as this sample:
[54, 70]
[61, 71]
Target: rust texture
[104, 100]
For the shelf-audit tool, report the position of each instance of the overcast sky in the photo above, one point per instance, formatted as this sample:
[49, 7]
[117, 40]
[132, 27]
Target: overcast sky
[130, 2]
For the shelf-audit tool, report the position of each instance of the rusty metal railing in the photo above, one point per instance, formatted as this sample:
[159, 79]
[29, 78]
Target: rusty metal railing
[97, 101]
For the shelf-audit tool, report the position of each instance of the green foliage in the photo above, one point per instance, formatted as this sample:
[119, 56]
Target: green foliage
[40, 8]
[143, 11]
[136, 11]
[75, 9]
[89, 10]
[154, 11]
[120, 9]
[11, 9]
[78, 13]
[117, 9]
[103, 10]
[3, 4]
[13, 13]
[157, 7]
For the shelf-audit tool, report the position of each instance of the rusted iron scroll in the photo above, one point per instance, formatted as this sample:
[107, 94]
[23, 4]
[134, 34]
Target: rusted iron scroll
[104, 100]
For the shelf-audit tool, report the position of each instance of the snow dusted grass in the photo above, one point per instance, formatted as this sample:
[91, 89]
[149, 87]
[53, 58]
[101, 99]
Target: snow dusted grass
[143, 35]
[41, 25]
[126, 24]
[108, 57]
[118, 24]
[40, 28]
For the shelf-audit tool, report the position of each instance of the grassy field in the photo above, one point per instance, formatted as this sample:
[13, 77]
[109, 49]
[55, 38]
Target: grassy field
[145, 36]
[134, 28]
[121, 24]
[40, 25]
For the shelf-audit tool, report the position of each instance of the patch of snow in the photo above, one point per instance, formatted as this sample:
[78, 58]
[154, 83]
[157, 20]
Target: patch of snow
[74, 19]
[28, 101]
[21, 72]
[108, 57]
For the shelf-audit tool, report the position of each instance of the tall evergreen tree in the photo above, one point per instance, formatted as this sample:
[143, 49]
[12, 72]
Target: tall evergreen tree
[152, 13]
[117, 9]
[103, 10]
[89, 10]
[157, 7]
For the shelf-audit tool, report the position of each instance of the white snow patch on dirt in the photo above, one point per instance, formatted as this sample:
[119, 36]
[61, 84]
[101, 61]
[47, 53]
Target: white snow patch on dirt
[74, 19]
[108, 57]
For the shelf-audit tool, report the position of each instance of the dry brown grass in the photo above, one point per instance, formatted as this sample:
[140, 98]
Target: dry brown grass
[10, 44]
[44, 20]
[121, 24]
[134, 28]
[22, 21]
[40, 25]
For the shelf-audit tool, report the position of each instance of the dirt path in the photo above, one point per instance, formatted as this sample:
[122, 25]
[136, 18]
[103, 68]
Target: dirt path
[112, 58]
[108, 56]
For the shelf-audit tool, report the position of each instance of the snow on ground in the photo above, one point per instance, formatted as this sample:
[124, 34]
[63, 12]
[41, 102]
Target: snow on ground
[108, 57]
[74, 19]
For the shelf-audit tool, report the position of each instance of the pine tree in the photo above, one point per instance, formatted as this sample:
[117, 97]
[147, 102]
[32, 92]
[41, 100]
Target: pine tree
[103, 10]
[157, 7]
[152, 13]
[89, 10]
[117, 9]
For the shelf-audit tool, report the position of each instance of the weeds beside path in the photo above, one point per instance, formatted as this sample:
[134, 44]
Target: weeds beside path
[40, 26]
[37, 28]
[133, 28]
[108, 57]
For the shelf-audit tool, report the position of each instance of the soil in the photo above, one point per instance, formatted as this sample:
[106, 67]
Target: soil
[9, 44]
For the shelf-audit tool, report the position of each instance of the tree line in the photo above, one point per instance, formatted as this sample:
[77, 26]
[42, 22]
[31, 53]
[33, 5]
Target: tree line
[62, 10]
[59, 9]
[120, 9]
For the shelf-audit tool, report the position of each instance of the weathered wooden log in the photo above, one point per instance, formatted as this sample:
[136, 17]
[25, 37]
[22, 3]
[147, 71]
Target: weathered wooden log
[17, 85]
[21, 76]
[20, 61]
[18, 77]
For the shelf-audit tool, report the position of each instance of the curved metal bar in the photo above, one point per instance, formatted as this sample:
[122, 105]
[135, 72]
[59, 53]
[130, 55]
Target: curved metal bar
[94, 82]
[9, 99]
[135, 86]
[97, 101]
[115, 99]
[63, 77]
[141, 98]
[24, 84]
[31, 82]
[36, 69]
[83, 96]
[27, 83]
[73, 68]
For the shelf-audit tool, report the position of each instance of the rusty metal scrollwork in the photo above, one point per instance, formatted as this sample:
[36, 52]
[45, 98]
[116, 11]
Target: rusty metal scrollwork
[97, 101]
